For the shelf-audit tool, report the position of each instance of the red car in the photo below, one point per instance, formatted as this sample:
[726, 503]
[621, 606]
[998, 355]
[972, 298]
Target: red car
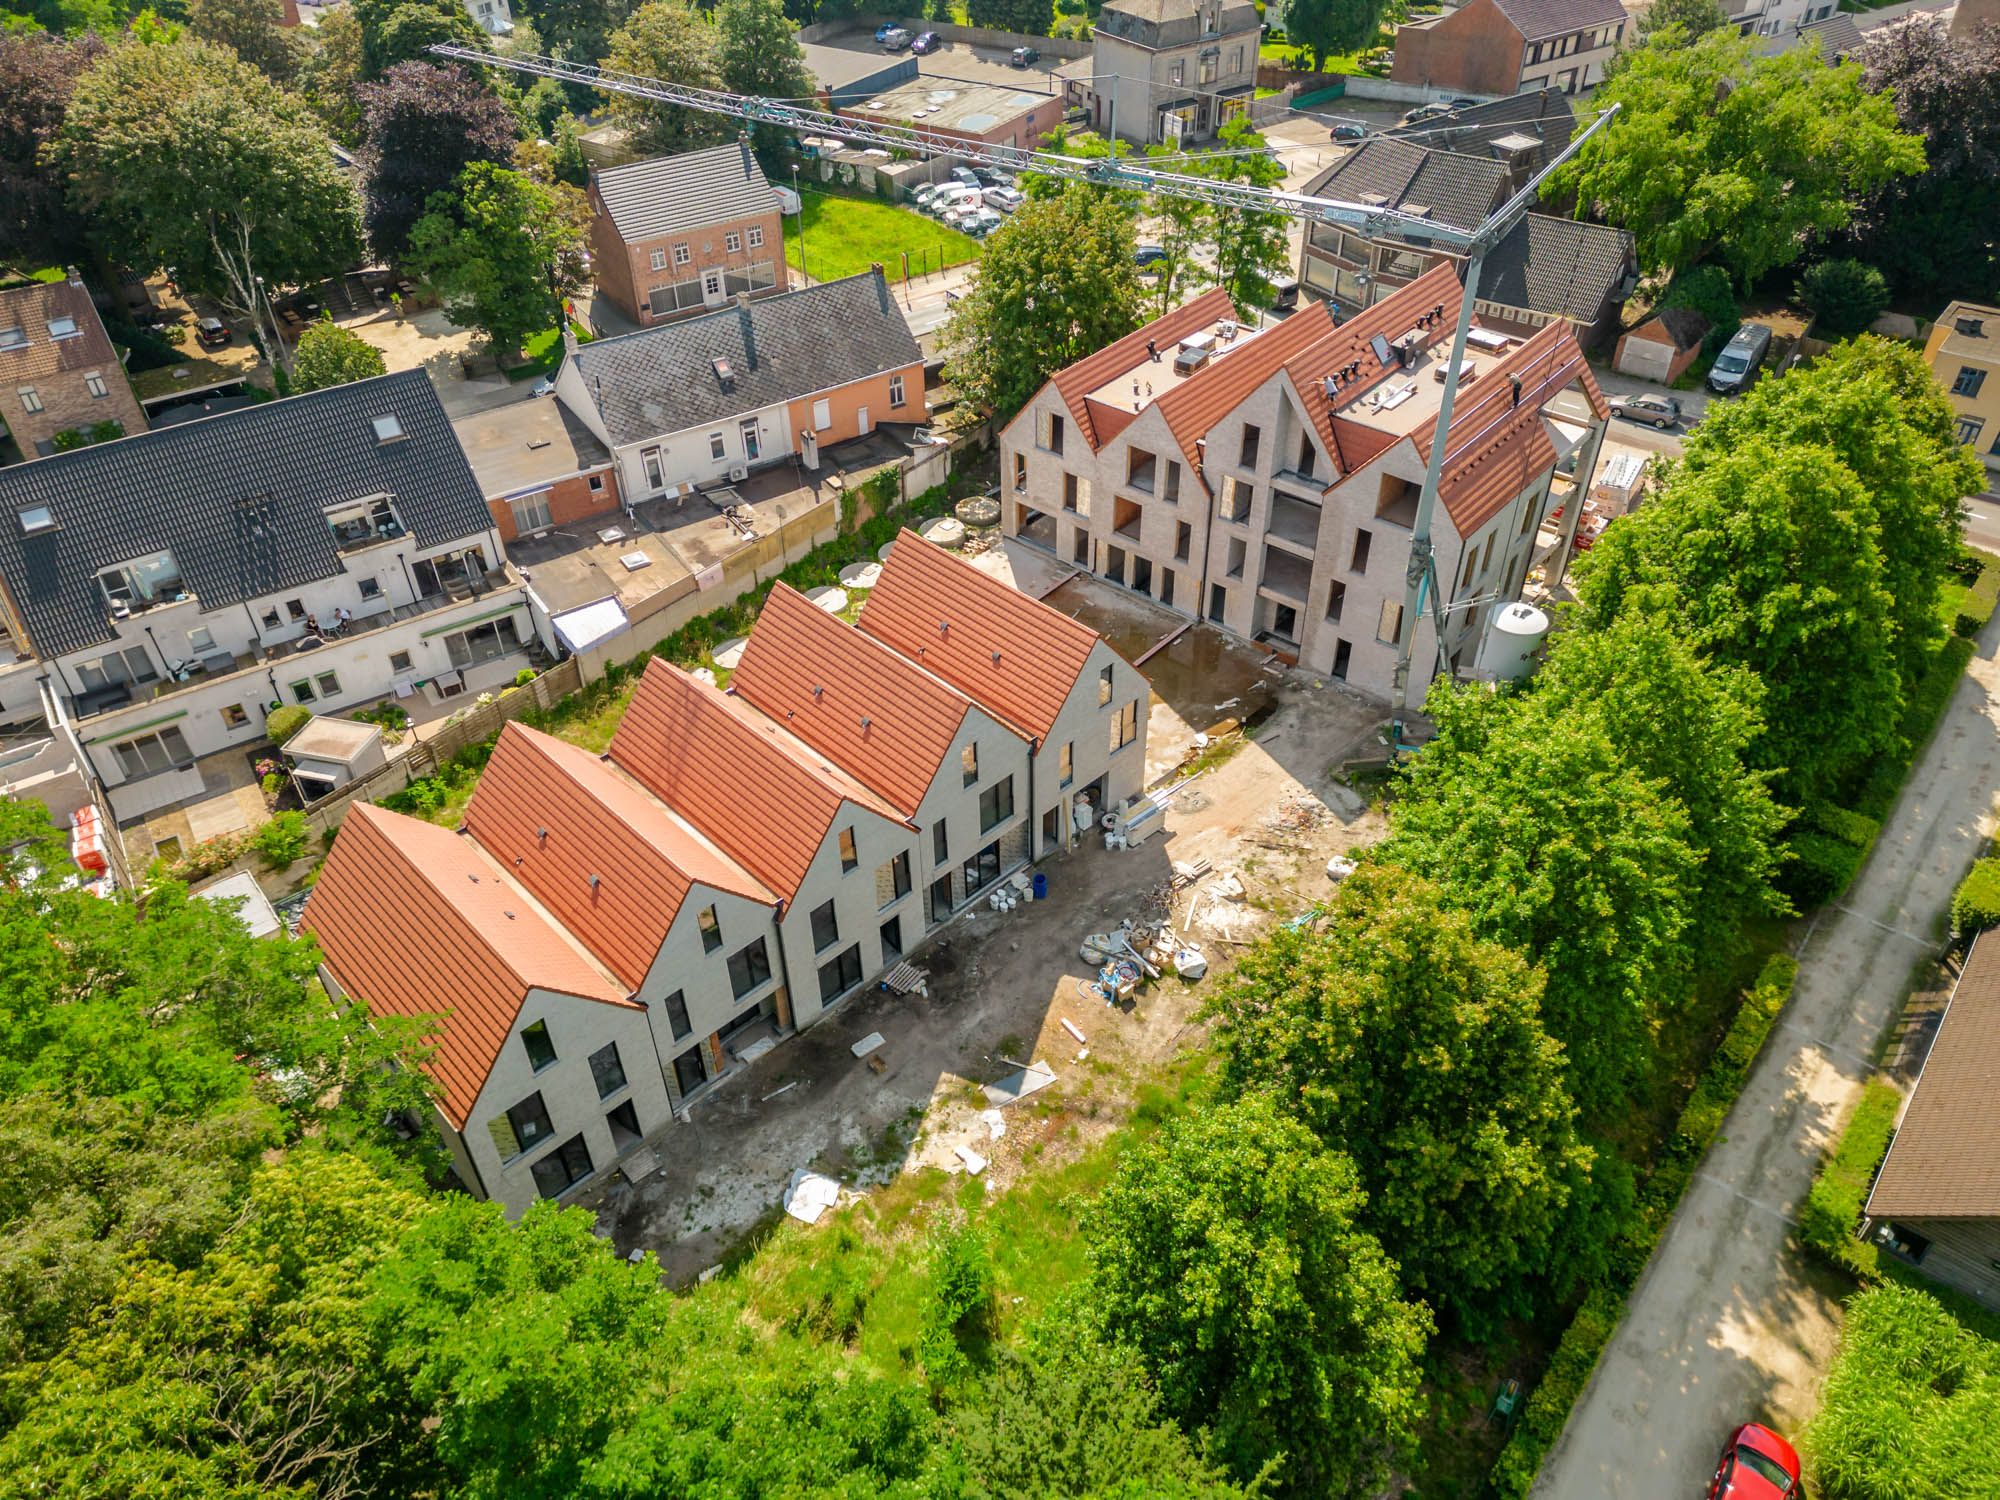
[1756, 1464]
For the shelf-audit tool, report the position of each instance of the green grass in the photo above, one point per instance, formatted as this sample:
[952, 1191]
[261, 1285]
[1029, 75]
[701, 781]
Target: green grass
[1833, 1207]
[843, 236]
[543, 352]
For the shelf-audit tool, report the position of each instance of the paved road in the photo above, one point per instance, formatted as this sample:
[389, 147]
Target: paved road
[1724, 1327]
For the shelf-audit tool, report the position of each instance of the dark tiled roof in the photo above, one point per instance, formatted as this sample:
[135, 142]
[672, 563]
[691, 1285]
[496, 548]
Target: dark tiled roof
[1169, 23]
[1683, 325]
[1552, 265]
[1536, 19]
[1544, 115]
[1838, 36]
[662, 380]
[237, 498]
[668, 194]
[1458, 190]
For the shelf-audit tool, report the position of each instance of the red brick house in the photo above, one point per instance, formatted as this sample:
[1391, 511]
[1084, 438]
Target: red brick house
[537, 466]
[679, 235]
[58, 370]
[1499, 47]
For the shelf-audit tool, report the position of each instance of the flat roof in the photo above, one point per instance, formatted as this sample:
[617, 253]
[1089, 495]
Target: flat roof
[326, 738]
[527, 443]
[834, 66]
[1155, 377]
[946, 104]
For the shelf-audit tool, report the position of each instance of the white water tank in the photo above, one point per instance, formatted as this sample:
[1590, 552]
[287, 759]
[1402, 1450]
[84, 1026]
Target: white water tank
[1507, 653]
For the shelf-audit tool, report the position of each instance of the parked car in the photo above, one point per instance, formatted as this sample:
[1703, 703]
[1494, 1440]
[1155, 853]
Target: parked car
[981, 222]
[967, 176]
[1284, 294]
[1660, 411]
[1735, 368]
[882, 32]
[1005, 199]
[993, 177]
[212, 333]
[926, 43]
[1024, 57]
[923, 195]
[1425, 112]
[1348, 133]
[1461, 102]
[1147, 255]
[895, 39]
[1756, 1464]
[955, 197]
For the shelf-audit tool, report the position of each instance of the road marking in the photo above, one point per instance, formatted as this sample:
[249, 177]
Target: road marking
[1713, 1181]
[1848, 911]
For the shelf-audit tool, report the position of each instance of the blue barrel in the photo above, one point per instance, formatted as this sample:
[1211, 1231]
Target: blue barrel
[1041, 886]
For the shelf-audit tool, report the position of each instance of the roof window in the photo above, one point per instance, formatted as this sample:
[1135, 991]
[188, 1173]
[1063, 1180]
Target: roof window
[725, 376]
[1972, 326]
[62, 328]
[13, 338]
[36, 518]
[388, 429]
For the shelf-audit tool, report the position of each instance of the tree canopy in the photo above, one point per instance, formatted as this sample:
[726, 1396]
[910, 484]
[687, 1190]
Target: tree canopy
[668, 39]
[398, 31]
[1694, 18]
[1329, 28]
[1719, 151]
[253, 29]
[37, 74]
[424, 126]
[757, 52]
[329, 355]
[495, 254]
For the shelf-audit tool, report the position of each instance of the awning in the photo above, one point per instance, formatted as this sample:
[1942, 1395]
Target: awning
[590, 624]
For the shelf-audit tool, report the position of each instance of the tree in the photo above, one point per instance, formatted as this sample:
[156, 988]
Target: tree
[1249, 245]
[253, 29]
[1720, 151]
[494, 255]
[398, 31]
[1332, 28]
[37, 75]
[187, 156]
[1694, 18]
[1844, 296]
[1397, 1036]
[579, 30]
[328, 355]
[425, 125]
[1056, 282]
[1228, 1257]
[329, 73]
[567, 162]
[667, 39]
[757, 52]
[1932, 232]
[1031, 17]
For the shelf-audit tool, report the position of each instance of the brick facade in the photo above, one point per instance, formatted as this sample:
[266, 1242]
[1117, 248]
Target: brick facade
[570, 500]
[58, 369]
[627, 276]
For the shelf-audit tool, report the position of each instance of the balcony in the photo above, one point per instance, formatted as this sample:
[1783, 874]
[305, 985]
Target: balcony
[1294, 521]
[1286, 576]
[356, 528]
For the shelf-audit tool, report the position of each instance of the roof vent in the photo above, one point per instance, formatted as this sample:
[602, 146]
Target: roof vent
[944, 627]
[387, 429]
[996, 658]
[596, 881]
[866, 723]
[542, 835]
[817, 690]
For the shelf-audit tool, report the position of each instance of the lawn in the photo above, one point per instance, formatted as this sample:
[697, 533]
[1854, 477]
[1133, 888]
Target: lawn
[843, 236]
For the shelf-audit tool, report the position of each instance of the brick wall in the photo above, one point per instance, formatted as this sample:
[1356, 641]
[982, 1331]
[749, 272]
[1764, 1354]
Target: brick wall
[571, 499]
[625, 271]
[1472, 50]
[67, 403]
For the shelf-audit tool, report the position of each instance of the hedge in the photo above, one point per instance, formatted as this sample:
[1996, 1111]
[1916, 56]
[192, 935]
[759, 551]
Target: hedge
[1975, 905]
[1833, 1207]
[1596, 1319]
[1826, 849]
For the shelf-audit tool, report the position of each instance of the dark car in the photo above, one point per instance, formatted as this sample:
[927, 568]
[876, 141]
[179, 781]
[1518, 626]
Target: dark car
[1425, 112]
[1660, 411]
[1349, 133]
[1735, 368]
[212, 333]
[882, 31]
[926, 44]
[1148, 255]
[1024, 57]
[1756, 1464]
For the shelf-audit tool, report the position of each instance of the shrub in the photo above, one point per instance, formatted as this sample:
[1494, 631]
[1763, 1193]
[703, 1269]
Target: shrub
[1819, 869]
[107, 431]
[280, 724]
[68, 440]
[282, 841]
[959, 1313]
[272, 783]
[522, 678]
[1975, 905]
[149, 349]
[1833, 1207]
[1845, 296]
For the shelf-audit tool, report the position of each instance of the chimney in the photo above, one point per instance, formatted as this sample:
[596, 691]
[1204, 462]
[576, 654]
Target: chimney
[748, 330]
[743, 142]
[568, 336]
[882, 289]
[75, 276]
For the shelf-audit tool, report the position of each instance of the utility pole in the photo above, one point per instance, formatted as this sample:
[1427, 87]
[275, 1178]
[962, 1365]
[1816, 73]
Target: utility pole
[800, 199]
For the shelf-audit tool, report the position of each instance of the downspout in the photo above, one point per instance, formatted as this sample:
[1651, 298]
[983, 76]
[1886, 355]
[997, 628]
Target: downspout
[784, 963]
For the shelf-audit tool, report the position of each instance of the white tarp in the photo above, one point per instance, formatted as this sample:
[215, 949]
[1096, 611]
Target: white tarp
[1017, 1086]
[590, 624]
[808, 1195]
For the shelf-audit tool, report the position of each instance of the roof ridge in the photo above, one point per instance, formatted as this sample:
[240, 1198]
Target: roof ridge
[716, 314]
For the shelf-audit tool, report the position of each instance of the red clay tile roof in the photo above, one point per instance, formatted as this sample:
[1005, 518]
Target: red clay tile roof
[415, 920]
[30, 308]
[1074, 382]
[761, 795]
[608, 861]
[1210, 394]
[1945, 1160]
[1041, 650]
[881, 716]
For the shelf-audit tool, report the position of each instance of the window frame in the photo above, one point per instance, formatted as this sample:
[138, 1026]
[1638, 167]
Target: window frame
[825, 926]
[540, 1026]
[597, 1074]
[744, 980]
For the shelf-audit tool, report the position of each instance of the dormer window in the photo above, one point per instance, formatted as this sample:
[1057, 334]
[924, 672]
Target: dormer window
[138, 585]
[388, 429]
[363, 522]
[36, 518]
[62, 328]
[13, 338]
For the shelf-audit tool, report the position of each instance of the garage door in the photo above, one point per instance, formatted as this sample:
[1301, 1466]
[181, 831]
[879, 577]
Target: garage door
[1644, 358]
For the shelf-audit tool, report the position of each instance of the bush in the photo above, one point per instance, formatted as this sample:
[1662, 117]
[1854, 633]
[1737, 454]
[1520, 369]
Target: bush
[1820, 868]
[1845, 296]
[107, 431]
[148, 349]
[525, 676]
[1833, 1207]
[282, 841]
[959, 1314]
[280, 724]
[271, 783]
[1975, 905]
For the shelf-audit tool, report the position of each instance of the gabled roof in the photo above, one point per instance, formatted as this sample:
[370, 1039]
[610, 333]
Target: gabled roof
[664, 380]
[1013, 655]
[1211, 393]
[1171, 23]
[414, 920]
[1074, 382]
[764, 797]
[1544, 115]
[1557, 266]
[32, 309]
[239, 499]
[647, 199]
[1537, 19]
[1944, 1162]
[1458, 190]
[1683, 326]
[607, 860]
[882, 717]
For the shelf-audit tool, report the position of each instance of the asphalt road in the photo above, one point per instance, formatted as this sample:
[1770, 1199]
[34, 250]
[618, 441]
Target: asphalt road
[1726, 1325]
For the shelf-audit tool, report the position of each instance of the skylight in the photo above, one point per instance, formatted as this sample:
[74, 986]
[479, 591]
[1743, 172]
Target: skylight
[62, 328]
[36, 518]
[13, 338]
[387, 429]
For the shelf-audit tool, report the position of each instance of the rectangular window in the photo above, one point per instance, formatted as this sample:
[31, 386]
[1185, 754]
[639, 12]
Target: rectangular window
[329, 685]
[531, 512]
[1236, 497]
[749, 969]
[1081, 549]
[982, 869]
[658, 260]
[1066, 764]
[1021, 472]
[94, 383]
[1358, 563]
[399, 661]
[1104, 687]
[822, 416]
[150, 754]
[892, 939]
[31, 401]
[839, 975]
[484, 642]
[1253, 441]
[825, 927]
[732, 243]
[996, 804]
[681, 255]
[711, 930]
[606, 1070]
[656, 476]
[717, 448]
[968, 762]
[1177, 74]
[536, 1043]
[899, 877]
[940, 844]
[1343, 652]
[1969, 429]
[563, 1168]
[529, 1121]
[1336, 597]
[1139, 467]
[677, 1015]
[895, 390]
[1125, 728]
[1172, 494]
[1049, 431]
[1183, 541]
[756, 237]
[1238, 553]
[302, 691]
[1218, 602]
[233, 716]
[1166, 594]
[1389, 627]
[850, 856]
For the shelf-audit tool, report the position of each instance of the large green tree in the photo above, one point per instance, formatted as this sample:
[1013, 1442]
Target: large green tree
[1417, 1048]
[496, 254]
[758, 52]
[329, 74]
[1250, 245]
[184, 155]
[1056, 282]
[1694, 18]
[579, 30]
[328, 355]
[397, 31]
[1719, 151]
[1228, 1255]
[1031, 17]
[253, 29]
[1329, 28]
[668, 39]
[37, 74]
[424, 126]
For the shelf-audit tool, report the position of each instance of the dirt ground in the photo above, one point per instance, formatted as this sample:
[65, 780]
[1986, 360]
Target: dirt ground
[1270, 815]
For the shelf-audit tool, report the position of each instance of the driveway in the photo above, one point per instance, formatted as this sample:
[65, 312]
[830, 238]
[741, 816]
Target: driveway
[1728, 1324]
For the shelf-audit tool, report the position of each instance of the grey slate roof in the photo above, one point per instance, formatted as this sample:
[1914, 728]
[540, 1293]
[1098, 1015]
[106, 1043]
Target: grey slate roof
[668, 194]
[237, 498]
[1458, 190]
[1537, 19]
[1170, 23]
[1838, 37]
[1552, 265]
[662, 380]
[1544, 115]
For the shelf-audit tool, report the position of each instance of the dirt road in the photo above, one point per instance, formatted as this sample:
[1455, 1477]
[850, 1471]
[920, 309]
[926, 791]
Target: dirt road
[1727, 1325]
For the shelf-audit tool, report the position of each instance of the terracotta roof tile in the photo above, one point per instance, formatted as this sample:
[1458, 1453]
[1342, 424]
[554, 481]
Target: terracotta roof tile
[1944, 1162]
[881, 716]
[415, 920]
[760, 794]
[1212, 393]
[1074, 382]
[1041, 651]
[607, 860]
